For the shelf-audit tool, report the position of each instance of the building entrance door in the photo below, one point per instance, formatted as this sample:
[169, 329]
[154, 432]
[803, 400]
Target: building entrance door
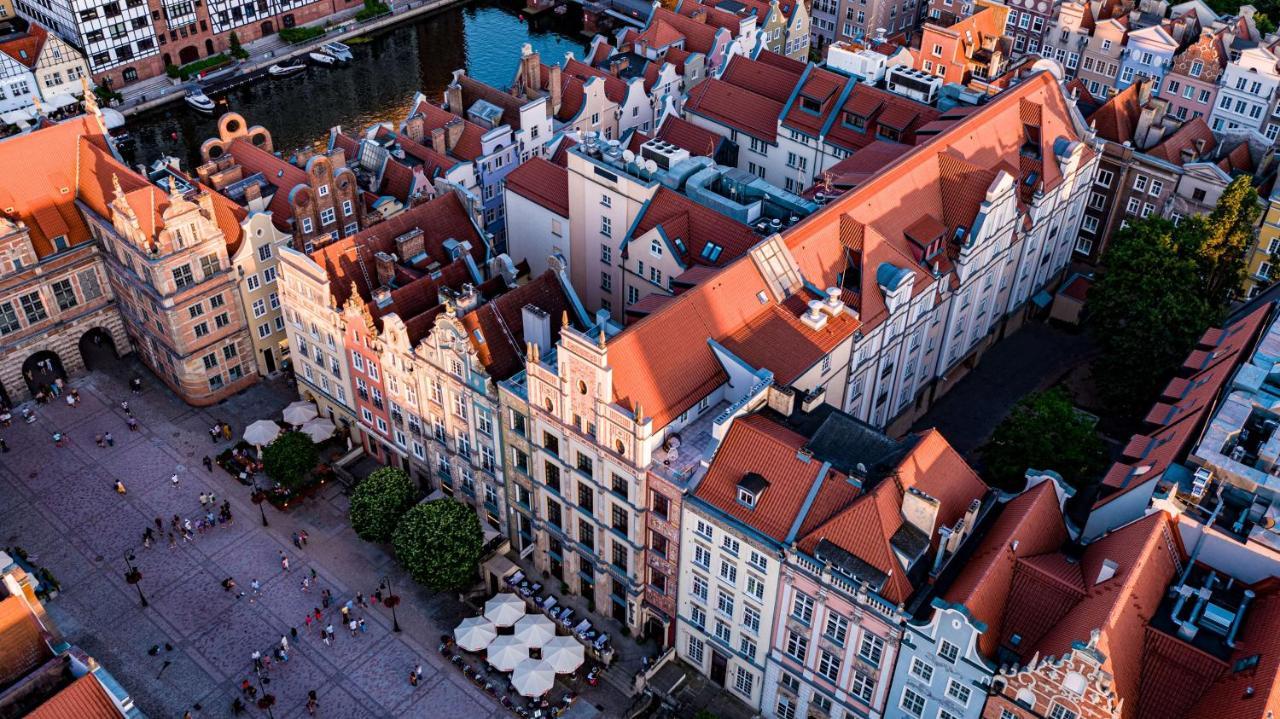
[719, 667]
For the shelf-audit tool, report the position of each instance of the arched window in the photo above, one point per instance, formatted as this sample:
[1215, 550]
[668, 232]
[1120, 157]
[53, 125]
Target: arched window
[655, 247]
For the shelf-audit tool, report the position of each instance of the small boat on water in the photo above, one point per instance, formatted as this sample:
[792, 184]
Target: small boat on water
[321, 58]
[285, 70]
[200, 101]
[340, 52]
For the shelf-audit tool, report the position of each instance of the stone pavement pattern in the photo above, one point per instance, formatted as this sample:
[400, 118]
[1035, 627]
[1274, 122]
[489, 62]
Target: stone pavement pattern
[59, 504]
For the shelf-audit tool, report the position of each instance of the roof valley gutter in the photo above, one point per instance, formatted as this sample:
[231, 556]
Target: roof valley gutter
[808, 502]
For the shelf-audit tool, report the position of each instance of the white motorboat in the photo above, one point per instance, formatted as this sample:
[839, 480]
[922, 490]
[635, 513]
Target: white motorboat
[340, 52]
[322, 58]
[200, 101]
[285, 70]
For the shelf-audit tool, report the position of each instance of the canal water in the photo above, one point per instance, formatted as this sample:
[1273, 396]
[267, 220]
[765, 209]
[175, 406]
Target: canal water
[378, 85]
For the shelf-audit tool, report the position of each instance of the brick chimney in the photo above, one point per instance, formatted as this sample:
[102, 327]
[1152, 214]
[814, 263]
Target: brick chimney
[386, 265]
[530, 78]
[414, 128]
[411, 244]
[453, 99]
[553, 87]
[618, 64]
[437, 140]
[453, 130]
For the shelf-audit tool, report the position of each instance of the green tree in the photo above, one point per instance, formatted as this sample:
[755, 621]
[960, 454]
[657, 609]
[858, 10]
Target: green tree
[1044, 431]
[378, 503]
[237, 50]
[1162, 287]
[290, 459]
[439, 543]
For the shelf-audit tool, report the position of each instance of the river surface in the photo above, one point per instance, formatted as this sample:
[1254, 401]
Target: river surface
[378, 85]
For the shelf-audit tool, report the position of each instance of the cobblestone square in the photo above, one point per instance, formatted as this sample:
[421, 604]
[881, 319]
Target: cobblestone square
[59, 504]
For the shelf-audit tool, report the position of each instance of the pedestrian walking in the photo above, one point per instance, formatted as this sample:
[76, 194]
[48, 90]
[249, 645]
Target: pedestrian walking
[256, 586]
[377, 595]
[346, 613]
[303, 536]
[4, 446]
[257, 659]
[297, 541]
[226, 431]
[133, 424]
[307, 621]
[111, 441]
[313, 574]
[186, 526]
[306, 584]
[173, 541]
[284, 561]
[102, 443]
[284, 642]
[208, 463]
[353, 626]
[325, 599]
[417, 669]
[174, 480]
[360, 624]
[237, 707]
[317, 613]
[293, 632]
[312, 702]
[360, 599]
[120, 488]
[413, 679]
[213, 434]
[125, 406]
[159, 524]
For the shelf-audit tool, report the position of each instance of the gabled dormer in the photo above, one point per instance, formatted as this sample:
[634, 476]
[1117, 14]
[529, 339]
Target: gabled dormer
[750, 488]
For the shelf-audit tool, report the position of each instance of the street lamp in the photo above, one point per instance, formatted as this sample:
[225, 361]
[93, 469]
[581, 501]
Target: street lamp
[391, 601]
[266, 701]
[133, 576]
[258, 498]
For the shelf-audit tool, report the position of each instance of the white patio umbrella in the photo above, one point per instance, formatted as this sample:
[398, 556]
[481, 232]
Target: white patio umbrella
[264, 431]
[318, 429]
[506, 652]
[474, 633]
[533, 677]
[299, 412]
[504, 609]
[535, 629]
[564, 654]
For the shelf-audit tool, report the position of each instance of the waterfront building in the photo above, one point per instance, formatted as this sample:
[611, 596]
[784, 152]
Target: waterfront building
[668, 70]
[129, 41]
[576, 105]
[479, 138]
[634, 107]
[59, 70]
[119, 262]
[1191, 85]
[315, 198]
[528, 118]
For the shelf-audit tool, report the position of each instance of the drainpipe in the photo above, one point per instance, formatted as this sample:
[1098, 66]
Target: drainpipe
[944, 536]
[1213, 517]
[1204, 597]
[1235, 623]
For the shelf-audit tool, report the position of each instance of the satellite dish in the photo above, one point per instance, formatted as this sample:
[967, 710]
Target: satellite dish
[650, 166]
[628, 155]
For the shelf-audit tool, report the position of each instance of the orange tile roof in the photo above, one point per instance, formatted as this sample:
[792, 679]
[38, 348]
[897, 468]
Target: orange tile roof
[757, 444]
[1117, 119]
[473, 90]
[771, 81]
[22, 643]
[876, 107]
[572, 93]
[735, 107]
[1194, 131]
[1230, 697]
[699, 141]
[543, 182]
[25, 47]
[614, 88]
[663, 362]
[496, 328]
[695, 226]
[469, 145]
[84, 698]
[698, 37]
[777, 339]
[1029, 524]
[278, 172]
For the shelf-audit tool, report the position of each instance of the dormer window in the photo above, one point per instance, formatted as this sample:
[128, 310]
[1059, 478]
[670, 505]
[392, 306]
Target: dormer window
[750, 488]
[810, 104]
[857, 122]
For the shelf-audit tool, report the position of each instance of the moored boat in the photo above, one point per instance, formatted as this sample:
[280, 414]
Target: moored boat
[285, 70]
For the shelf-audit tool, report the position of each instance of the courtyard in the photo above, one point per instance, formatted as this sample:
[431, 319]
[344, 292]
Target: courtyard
[191, 647]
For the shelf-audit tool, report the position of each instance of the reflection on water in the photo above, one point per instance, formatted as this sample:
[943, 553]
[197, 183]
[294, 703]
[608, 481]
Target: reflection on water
[377, 86]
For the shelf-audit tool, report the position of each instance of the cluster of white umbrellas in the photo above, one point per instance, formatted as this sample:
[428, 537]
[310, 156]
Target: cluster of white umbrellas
[510, 652]
[299, 414]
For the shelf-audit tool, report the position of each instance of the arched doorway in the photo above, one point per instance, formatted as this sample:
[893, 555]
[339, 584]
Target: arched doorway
[190, 53]
[268, 28]
[97, 348]
[208, 48]
[42, 369]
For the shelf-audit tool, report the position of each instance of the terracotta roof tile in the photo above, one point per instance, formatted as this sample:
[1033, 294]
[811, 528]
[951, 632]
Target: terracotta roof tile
[1117, 119]
[699, 37]
[543, 182]
[699, 141]
[691, 227]
[1194, 136]
[771, 81]
[496, 328]
[84, 698]
[25, 47]
[1229, 697]
[22, 644]
[735, 107]
[469, 145]
[614, 88]
[473, 90]
[779, 340]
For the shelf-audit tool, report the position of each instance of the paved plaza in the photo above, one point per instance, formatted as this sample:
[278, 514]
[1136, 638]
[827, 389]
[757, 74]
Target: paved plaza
[59, 504]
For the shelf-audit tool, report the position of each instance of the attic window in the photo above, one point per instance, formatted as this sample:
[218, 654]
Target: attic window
[960, 233]
[1246, 663]
[750, 487]
[711, 252]
[888, 133]
[810, 104]
[1031, 179]
[762, 297]
[279, 173]
[857, 122]
[479, 337]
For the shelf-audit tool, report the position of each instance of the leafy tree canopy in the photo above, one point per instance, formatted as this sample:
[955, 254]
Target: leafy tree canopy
[439, 543]
[1044, 431]
[290, 458]
[378, 503]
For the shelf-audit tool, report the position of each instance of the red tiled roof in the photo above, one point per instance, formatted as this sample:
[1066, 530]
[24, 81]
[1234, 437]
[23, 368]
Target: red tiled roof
[1230, 697]
[695, 226]
[822, 87]
[25, 47]
[757, 444]
[1029, 524]
[867, 525]
[280, 173]
[876, 107]
[1117, 119]
[771, 81]
[614, 88]
[699, 141]
[473, 90]
[496, 328]
[777, 339]
[84, 698]
[660, 34]
[543, 182]
[1185, 138]
[469, 145]
[22, 644]
[699, 37]
[572, 94]
[735, 107]
[793, 66]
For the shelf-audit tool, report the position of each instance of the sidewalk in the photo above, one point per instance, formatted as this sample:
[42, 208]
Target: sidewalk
[267, 51]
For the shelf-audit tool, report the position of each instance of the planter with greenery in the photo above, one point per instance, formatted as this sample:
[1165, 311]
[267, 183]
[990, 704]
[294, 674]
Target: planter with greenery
[439, 543]
[213, 62]
[378, 503]
[372, 9]
[295, 35]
